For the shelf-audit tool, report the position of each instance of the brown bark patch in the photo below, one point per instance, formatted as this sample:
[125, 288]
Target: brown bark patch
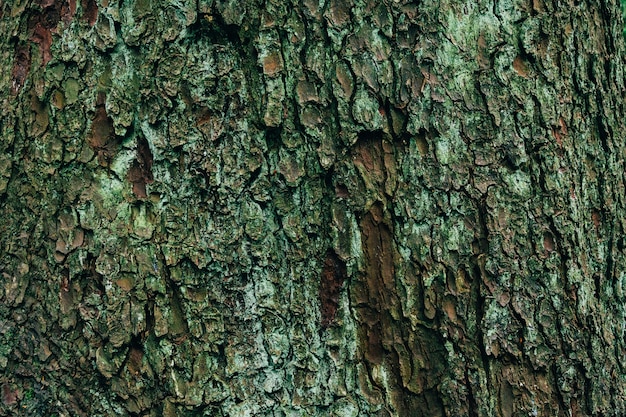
[560, 132]
[140, 172]
[338, 14]
[548, 242]
[43, 37]
[102, 139]
[210, 124]
[412, 80]
[483, 59]
[341, 191]
[272, 64]
[344, 77]
[367, 152]
[596, 217]
[307, 92]
[563, 126]
[413, 364]
[422, 143]
[45, 3]
[50, 17]
[9, 396]
[90, 11]
[68, 10]
[135, 358]
[43, 22]
[450, 309]
[377, 295]
[506, 398]
[374, 157]
[21, 68]
[331, 282]
[520, 66]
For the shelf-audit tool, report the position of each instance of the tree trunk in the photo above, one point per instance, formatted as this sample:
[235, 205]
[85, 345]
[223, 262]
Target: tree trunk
[343, 208]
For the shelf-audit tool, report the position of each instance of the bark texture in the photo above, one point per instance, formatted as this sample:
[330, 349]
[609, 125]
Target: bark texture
[318, 208]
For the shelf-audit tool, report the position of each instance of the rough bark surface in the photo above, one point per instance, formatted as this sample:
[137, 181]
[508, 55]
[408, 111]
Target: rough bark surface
[341, 207]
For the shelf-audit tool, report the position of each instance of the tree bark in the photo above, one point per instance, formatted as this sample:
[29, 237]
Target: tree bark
[339, 208]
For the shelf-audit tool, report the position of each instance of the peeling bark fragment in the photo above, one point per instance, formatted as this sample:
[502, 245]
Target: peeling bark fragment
[331, 282]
